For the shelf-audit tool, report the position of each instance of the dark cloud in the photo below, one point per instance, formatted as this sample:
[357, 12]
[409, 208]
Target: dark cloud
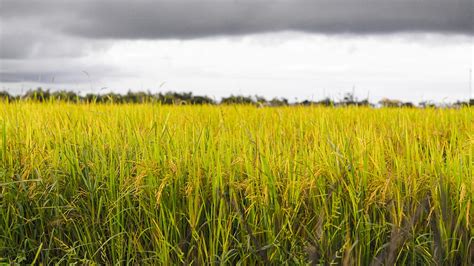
[56, 27]
[185, 19]
[43, 77]
[43, 29]
[192, 19]
[31, 42]
[69, 76]
[15, 49]
[55, 71]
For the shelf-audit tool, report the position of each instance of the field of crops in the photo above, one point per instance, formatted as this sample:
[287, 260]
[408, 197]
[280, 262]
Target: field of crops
[153, 184]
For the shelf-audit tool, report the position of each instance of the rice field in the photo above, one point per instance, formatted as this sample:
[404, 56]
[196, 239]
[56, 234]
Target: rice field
[152, 184]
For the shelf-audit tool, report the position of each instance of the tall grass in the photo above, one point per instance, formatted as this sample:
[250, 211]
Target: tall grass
[235, 184]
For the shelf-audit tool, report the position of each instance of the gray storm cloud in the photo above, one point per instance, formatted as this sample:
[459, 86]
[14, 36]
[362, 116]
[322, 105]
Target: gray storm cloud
[55, 28]
[27, 26]
[204, 18]
[183, 19]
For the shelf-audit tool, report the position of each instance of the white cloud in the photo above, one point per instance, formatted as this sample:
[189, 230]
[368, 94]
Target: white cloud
[303, 66]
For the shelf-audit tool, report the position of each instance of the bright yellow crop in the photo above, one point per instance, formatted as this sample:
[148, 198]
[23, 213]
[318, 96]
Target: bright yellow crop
[226, 184]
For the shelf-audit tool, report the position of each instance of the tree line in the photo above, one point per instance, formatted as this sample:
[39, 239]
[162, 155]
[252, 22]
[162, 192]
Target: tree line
[180, 98]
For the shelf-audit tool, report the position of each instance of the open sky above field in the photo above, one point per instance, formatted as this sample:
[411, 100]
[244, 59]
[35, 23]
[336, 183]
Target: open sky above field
[406, 49]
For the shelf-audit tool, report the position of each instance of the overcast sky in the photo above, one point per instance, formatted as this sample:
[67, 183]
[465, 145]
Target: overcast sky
[406, 49]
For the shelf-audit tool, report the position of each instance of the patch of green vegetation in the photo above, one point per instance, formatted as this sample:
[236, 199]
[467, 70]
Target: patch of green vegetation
[155, 184]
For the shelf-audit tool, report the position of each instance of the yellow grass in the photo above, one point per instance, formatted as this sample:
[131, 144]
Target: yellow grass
[235, 184]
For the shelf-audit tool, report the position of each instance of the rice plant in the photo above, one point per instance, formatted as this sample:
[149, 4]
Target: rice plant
[236, 184]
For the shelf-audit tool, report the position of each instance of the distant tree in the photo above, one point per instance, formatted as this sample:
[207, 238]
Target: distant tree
[459, 104]
[260, 99]
[326, 102]
[427, 104]
[278, 102]
[407, 105]
[5, 96]
[137, 97]
[350, 99]
[306, 103]
[63, 95]
[39, 95]
[364, 102]
[237, 100]
[201, 100]
[385, 102]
